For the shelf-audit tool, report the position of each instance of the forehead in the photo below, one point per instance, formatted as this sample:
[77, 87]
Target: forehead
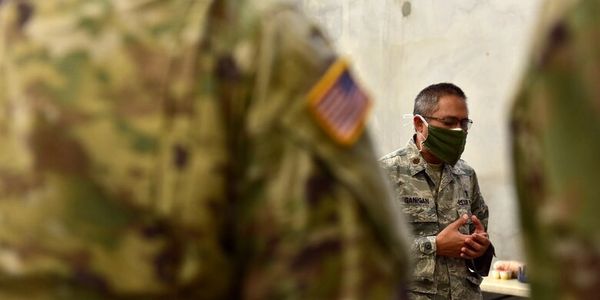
[452, 106]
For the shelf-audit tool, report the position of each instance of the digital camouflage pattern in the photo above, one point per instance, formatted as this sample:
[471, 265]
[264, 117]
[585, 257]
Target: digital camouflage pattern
[164, 149]
[429, 211]
[555, 130]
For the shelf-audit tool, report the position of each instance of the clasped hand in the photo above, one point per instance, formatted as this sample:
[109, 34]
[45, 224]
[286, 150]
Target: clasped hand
[451, 242]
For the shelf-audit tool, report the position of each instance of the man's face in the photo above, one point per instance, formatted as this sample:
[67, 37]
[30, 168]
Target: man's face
[451, 110]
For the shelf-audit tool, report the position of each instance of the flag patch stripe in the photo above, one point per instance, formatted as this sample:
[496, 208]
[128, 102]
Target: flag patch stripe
[339, 105]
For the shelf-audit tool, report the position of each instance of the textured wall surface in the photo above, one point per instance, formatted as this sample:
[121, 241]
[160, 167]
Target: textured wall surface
[398, 47]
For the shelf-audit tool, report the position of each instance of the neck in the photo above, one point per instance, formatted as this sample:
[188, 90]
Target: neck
[430, 158]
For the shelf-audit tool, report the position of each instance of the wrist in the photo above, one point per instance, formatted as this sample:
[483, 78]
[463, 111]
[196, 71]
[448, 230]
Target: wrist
[428, 245]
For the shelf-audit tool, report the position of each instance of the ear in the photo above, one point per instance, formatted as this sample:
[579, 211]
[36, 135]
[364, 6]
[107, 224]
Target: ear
[419, 124]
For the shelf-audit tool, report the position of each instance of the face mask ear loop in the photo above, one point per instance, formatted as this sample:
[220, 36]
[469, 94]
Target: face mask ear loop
[423, 119]
[422, 142]
[426, 124]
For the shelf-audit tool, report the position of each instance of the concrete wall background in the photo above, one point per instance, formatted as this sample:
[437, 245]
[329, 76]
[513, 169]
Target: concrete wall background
[398, 47]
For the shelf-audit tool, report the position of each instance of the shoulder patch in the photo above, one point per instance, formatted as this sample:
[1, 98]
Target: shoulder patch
[339, 105]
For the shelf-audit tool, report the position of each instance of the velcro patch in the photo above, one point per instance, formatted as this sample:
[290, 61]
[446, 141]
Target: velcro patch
[339, 105]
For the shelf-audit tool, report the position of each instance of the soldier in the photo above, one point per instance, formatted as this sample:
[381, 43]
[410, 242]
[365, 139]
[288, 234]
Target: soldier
[185, 149]
[439, 194]
[555, 130]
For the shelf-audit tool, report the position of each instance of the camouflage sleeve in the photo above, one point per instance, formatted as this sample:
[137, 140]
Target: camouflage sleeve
[555, 129]
[423, 251]
[106, 191]
[478, 206]
[422, 248]
[483, 263]
[314, 221]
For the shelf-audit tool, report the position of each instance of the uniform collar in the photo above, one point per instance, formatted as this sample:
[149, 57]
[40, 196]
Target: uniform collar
[416, 161]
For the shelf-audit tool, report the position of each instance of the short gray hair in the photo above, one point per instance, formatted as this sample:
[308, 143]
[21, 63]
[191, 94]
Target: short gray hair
[426, 102]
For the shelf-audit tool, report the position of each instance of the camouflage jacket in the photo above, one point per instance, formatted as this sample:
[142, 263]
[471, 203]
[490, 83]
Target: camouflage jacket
[458, 195]
[168, 150]
[555, 134]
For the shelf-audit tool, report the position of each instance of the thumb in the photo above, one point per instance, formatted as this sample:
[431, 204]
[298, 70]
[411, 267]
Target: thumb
[460, 221]
[478, 226]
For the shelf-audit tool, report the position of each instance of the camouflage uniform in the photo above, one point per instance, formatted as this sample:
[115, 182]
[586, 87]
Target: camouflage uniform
[165, 149]
[555, 131]
[429, 210]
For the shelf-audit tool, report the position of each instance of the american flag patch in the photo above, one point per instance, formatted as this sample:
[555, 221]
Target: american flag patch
[339, 105]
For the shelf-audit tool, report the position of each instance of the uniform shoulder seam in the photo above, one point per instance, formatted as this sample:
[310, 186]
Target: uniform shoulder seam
[394, 154]
[463, 166]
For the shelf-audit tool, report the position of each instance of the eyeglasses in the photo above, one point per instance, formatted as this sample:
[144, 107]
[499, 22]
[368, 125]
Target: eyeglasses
[465, 124]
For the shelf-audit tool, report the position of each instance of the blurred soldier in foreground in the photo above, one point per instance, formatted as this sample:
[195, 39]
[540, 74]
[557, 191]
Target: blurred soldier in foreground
[556, 130]
[185, 149]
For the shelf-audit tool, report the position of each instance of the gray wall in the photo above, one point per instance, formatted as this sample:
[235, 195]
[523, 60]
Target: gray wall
[398, 47]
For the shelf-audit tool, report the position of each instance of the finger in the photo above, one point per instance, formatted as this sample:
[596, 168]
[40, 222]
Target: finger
[460, 221]
[478, 226]
[474, 245]
[465, 252]
[465, 256]
[482, 234]
[480, 239]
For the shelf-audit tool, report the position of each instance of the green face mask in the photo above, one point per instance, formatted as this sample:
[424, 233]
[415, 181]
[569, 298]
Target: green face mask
[446, 144]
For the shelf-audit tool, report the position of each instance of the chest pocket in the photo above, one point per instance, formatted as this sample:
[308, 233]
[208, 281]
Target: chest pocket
[422, 215]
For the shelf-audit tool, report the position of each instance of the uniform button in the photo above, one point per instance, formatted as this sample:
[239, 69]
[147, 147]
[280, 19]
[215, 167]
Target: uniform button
[416, 160]
[428, 246]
